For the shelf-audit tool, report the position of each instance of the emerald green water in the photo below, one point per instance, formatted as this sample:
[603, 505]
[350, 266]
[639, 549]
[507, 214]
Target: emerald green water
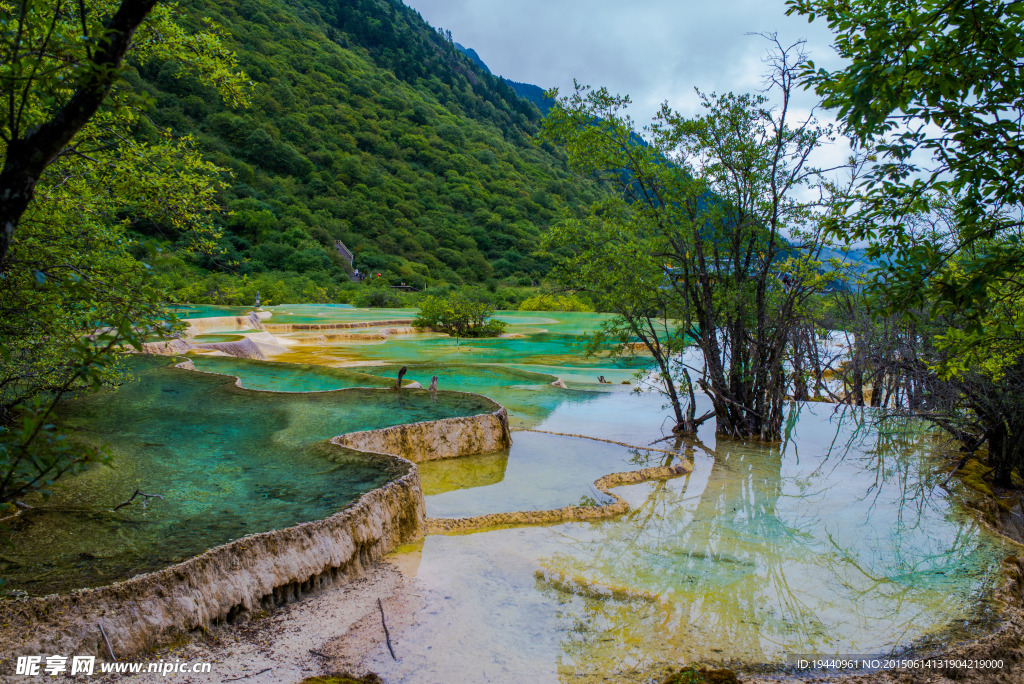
[289, 377]
[207, 310]
[332, 313]
[527, 395]
[543, 349]
[228, 462]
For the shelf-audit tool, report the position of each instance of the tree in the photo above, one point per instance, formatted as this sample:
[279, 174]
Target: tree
[79, 174]
[715, 199]
[58, 65]
[935, 89]
[459, 315]
[604, 256]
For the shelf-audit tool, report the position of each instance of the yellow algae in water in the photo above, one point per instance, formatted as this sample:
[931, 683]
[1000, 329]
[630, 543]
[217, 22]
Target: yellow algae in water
[407, 557]
[447, 475]
[973, 475]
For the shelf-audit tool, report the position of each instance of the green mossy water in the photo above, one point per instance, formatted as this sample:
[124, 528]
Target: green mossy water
[228, 462]
[289, 377]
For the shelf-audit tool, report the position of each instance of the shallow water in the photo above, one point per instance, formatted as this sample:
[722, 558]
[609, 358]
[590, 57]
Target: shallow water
[835, 542]
[217, 310]
[227, 461]
[528, 477]
[207, 310]
[207, 339]
[528, 396]
[332, 313]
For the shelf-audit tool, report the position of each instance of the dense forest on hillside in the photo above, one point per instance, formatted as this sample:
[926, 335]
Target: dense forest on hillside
[366, 126]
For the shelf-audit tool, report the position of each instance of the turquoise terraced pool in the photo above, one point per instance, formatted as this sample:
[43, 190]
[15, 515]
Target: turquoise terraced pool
[227, 461]
[837, 541]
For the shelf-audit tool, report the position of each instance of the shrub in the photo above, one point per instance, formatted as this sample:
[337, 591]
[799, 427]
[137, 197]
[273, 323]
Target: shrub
[459, 316]
[555, 303]
[378, 299]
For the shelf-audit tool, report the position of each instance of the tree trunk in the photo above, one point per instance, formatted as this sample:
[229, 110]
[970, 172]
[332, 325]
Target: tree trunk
[29, 155]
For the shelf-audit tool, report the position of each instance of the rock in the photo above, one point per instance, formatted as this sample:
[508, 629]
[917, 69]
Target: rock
[559, 383]
[413, 385]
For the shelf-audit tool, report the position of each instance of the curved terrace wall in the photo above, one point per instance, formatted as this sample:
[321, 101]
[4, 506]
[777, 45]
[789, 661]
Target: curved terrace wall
[251, 321]
[257, 572]
[254, 573]
[566, 513]
[430, 440]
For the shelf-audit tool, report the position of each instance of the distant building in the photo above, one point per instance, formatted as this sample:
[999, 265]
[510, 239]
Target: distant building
[343, 251]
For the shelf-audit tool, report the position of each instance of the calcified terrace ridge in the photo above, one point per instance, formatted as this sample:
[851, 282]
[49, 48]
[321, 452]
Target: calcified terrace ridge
[255, 345]
[261, 571]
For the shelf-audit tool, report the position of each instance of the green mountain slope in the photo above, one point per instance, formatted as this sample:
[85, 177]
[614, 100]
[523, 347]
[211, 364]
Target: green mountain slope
[527, 91]
[370, 127]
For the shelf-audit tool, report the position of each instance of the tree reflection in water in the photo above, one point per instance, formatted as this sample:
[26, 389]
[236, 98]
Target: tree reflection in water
[834, 541]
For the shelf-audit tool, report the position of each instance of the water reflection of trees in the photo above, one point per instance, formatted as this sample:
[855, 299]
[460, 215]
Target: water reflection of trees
[806, 546]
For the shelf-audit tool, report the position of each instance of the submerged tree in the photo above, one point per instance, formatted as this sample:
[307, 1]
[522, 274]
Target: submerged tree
[715, 199]
[604, 256]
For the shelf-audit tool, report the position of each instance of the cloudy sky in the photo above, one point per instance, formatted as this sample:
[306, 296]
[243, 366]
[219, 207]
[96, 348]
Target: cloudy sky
[652, 50]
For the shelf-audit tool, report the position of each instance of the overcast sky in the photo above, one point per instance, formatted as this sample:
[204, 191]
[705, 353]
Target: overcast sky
[652, 50]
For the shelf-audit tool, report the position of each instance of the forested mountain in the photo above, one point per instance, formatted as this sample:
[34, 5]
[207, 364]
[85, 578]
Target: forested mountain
[472, 54]
[534, 94]
[366, 126]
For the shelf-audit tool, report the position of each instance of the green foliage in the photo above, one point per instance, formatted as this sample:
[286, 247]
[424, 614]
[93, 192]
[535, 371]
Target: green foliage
[73, 287]
[935, 89]
[459, 314]
[378, 299]
[696, 250]
[552, 302]
[189, 284]
[369, 127]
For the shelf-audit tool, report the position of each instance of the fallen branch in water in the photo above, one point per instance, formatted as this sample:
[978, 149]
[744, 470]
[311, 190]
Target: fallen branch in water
[386, 635]
[401, 373]
[132, 498]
